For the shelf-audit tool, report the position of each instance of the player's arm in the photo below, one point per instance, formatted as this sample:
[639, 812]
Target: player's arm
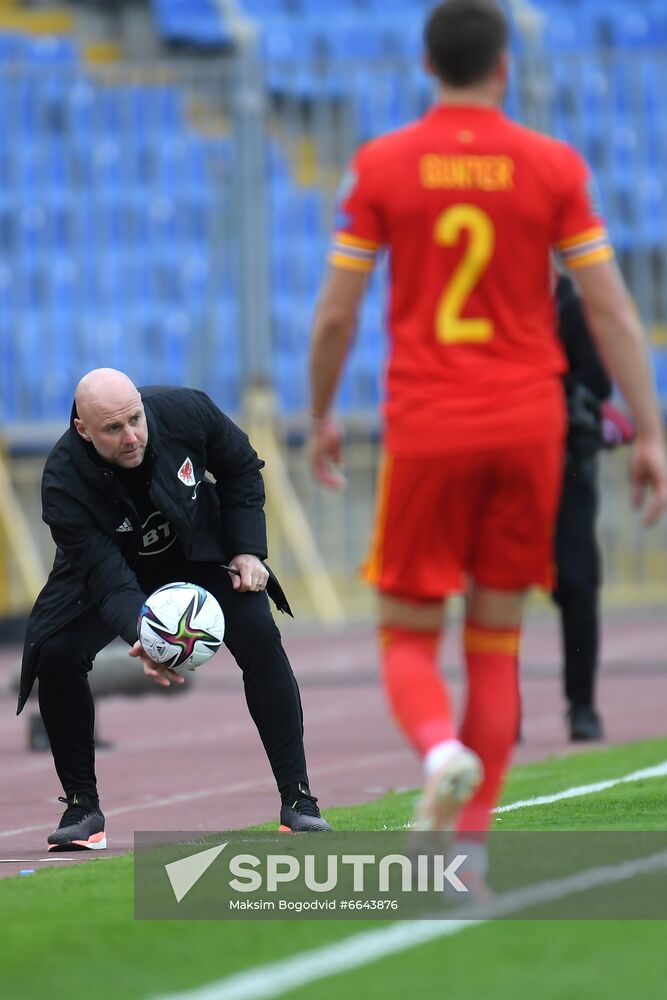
[333, 330]
[621, 342]
[356, 242]
[582, 242]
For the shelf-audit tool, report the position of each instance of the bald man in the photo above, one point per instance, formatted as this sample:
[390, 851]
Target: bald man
[130, 506]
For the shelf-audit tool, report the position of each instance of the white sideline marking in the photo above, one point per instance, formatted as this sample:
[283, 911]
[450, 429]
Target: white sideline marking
[370, 760]
[657, 771]
[277, 978]
[25, 861]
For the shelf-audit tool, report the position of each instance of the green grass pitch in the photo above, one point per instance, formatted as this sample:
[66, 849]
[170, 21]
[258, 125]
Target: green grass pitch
[70, 932]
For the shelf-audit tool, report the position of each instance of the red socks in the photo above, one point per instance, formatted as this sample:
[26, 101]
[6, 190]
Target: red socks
[417, 693]
[420, 702]
[492, 714]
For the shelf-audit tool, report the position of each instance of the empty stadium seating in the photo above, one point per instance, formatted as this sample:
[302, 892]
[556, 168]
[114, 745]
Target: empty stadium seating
[108, 209]
[115, 213]
[181, 21]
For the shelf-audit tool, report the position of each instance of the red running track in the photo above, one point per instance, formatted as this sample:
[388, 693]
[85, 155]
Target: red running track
[195, 762]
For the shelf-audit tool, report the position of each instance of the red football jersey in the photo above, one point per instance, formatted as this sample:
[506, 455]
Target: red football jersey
[470, 206]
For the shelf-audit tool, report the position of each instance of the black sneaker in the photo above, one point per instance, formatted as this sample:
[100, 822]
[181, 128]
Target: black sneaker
[584, 723]
[81, 826]
[299, 812]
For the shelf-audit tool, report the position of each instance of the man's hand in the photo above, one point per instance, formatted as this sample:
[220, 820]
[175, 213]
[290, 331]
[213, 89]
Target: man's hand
[325, 451]
[648, 471]
[159, 672]
[253, 574]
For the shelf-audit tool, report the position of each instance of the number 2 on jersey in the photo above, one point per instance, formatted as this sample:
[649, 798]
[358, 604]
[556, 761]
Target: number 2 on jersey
[451, 326]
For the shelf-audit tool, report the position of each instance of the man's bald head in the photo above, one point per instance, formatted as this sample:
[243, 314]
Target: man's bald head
[110, 415]
[105, 386]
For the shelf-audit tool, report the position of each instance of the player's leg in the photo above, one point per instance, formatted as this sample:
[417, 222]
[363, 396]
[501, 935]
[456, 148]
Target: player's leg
[491, 716]
[577, 593]
[414, 564]
[272, 695]
[410, 635]
[64, 660]
[513, 551]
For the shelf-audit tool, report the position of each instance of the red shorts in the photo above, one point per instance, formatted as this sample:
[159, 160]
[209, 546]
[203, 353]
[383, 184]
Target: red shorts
[488, 515]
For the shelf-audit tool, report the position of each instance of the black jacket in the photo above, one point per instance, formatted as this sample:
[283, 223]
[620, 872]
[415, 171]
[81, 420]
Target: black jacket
[583, 360]
[586, 382]
[83, 504]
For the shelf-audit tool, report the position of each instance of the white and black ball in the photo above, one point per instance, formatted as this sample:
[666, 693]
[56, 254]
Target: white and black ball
[181, 625]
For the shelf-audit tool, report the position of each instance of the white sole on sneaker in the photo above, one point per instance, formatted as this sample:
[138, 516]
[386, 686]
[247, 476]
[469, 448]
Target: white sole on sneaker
[447, 790]
[97, 842]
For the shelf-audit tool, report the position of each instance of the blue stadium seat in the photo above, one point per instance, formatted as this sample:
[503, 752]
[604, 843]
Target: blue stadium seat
[80, 109]
[8, 381]
[291, 382]
[651, 210]
[626, 151]
[389, 8]
[344, 9]
[595, 90]
[106, 164]
[350, 40]
[64, 285]
[403, 36]
[29, 371]
[290, 323]
[360, 389]
[267, 9]
[292, 41]
[12, 48]
[51, 50]
[109, 204]
[386, 100]
[564, 31]
[182, 21]
[108, 344]
[216, 368]
[297, 213]
[659, 357]
[636, 27]
[155, 109]
[161, 221]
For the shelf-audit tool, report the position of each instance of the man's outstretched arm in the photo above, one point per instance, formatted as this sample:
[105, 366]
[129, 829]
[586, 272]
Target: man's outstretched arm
[334, 327]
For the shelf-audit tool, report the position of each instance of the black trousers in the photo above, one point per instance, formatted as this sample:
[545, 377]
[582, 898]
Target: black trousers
[251, 635]
[578, 579]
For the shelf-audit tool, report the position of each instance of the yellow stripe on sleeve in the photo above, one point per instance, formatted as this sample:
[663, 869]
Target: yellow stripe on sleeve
[582, 260]
[337, 259]
[596, 233]
[355, 241]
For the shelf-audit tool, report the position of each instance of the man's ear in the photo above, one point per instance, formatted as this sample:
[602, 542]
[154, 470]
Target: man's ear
[503, 67]
[81, 429]
[428, 65]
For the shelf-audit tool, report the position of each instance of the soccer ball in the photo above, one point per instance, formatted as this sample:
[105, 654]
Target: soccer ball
[181, 625]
